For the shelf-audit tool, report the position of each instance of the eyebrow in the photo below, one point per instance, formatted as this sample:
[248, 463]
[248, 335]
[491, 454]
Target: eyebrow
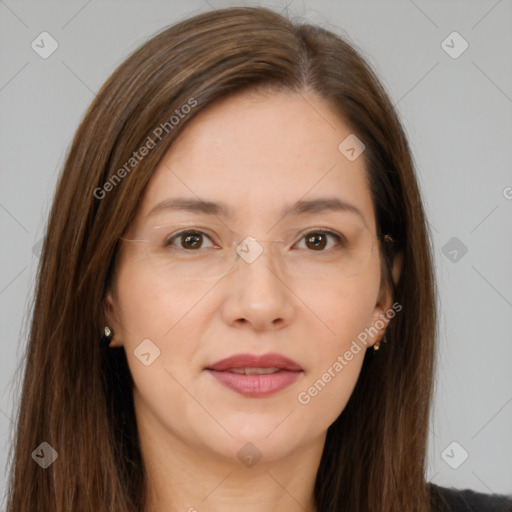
[301, 207]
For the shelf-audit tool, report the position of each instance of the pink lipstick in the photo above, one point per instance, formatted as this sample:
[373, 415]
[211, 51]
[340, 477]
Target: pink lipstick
[256, 375]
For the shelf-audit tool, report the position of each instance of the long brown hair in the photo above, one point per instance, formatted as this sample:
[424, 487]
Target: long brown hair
[76, 395]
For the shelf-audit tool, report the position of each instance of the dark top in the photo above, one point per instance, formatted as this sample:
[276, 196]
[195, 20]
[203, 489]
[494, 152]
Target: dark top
[445, 499]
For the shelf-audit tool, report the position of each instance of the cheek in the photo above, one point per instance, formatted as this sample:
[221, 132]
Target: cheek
[342, 309]
[166, 323]
[343, 312]
[163, 322]
[326, 394]
[150, 308]
[334, 371]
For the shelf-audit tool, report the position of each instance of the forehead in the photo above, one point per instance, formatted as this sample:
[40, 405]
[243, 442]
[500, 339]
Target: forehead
[257, 153]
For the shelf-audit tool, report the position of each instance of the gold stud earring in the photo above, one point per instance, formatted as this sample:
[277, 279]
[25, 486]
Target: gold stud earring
[376, 346]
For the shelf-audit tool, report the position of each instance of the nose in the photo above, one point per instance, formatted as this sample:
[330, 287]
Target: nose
[256, 295]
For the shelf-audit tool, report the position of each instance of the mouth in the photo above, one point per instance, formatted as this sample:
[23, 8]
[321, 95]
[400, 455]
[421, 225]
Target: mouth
[253, 371]
[256, 376]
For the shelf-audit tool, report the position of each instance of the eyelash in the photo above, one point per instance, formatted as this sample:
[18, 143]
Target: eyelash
[340, 240]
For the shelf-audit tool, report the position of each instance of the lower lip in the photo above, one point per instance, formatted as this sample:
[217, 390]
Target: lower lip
[256, 385]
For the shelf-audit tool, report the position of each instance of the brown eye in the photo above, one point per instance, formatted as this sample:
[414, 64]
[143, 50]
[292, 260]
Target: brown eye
[321, 241]
[316, 241]
[189, 240]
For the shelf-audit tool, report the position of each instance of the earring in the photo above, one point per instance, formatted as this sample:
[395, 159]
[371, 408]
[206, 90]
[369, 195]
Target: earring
[108, 334]
[376, 346]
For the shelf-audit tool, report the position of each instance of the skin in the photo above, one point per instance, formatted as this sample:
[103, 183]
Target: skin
[259, 154]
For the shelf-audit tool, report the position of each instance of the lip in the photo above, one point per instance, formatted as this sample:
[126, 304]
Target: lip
[256, 361]
[256, 386]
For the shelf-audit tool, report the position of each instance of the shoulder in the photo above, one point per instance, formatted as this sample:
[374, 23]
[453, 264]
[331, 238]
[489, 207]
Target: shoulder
[448, 499]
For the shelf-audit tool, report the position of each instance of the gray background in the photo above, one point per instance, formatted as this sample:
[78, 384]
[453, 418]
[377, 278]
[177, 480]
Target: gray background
[457, 113]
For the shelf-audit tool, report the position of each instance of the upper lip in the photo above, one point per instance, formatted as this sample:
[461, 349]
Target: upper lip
[269, 360]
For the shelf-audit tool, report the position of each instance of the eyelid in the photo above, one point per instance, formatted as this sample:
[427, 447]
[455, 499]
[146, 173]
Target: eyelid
[173, 230]
[327, 231]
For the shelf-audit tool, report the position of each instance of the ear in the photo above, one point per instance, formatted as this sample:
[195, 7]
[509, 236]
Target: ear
[112, 319]
[380, 320]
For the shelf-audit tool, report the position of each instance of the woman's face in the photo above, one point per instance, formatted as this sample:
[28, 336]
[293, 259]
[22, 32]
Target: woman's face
[269, 162]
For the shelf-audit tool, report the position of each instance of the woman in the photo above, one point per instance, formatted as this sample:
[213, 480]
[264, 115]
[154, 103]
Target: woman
[235, 306]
